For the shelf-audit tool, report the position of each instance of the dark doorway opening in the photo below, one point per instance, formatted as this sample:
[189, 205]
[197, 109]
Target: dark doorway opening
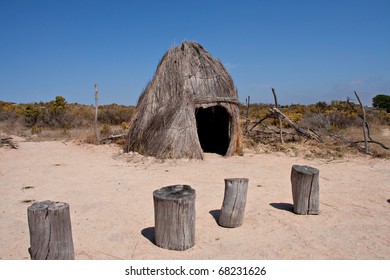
[213, 125]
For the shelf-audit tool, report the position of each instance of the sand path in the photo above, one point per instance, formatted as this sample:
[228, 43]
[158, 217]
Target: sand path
[110, 196]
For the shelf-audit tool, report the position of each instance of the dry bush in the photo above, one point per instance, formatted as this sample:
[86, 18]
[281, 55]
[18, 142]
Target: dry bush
[338, 125]
[328, 124]
[105, 131]
[115, 114]
[59, 114]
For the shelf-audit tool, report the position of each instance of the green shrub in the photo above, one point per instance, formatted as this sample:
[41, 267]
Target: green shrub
[382, 101]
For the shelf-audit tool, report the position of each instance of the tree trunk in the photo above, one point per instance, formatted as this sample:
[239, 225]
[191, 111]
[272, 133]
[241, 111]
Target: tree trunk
[174, 217]
[305, 189]
[234, 201]
[50, 231]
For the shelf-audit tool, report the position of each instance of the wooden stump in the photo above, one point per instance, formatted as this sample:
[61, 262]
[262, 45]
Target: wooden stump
[234, 201]
[305, 190]
[50, 231]
[174, 217]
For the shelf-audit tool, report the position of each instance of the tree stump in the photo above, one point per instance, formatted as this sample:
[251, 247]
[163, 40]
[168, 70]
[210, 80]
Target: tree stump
[305, 189]
[50, 231]
[174, 217]
[234, 201]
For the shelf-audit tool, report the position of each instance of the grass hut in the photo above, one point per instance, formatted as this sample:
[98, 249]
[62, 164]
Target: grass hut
[190, 107]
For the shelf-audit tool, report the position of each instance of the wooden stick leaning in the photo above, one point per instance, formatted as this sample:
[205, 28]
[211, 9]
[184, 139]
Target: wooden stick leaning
[364, 123]
[300, 130]
[279, 118]
[367, 129]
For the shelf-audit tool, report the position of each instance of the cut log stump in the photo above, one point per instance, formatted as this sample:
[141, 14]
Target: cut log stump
[305, 190]
[174, 217]
[50, 231]
[234, 201]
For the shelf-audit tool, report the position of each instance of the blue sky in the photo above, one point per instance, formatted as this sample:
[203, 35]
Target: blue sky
[309, 51]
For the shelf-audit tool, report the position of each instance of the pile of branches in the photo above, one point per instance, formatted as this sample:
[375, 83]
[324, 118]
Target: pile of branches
[270, 132]
[260, 132]
[117, 136]
[7, 141]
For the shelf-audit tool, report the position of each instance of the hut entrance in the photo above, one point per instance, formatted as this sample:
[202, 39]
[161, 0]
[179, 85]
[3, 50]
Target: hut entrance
[213, 125]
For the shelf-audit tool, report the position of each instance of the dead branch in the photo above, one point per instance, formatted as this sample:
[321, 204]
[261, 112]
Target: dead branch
[268, 116]
[277, 114]
[364, 123]
[280, 120]
[112, 138]
[270, 128]
[374, 142]
[366, 131]
[300, 130]
[8, 141]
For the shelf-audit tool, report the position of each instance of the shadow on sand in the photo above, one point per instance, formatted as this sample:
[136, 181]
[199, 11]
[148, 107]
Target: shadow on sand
[283, 206]
[148, 233]
[215, 214]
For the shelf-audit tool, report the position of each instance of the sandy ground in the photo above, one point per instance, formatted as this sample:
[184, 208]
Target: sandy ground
[110, 197]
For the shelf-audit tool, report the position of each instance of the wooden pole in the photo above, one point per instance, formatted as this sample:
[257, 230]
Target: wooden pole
[50, 231]
[174, 217]
[364, 123]
[305, 189]
[248, 100]
[280, 120]
[234, 201]
[97, 136]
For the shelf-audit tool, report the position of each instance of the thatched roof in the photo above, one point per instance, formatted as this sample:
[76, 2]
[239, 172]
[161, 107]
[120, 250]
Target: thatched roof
[187, 78]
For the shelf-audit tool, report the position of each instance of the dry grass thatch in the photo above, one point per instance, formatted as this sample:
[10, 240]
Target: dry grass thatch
[190, 106]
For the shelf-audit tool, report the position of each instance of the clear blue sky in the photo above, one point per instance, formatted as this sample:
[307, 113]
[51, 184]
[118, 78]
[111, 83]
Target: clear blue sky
[308, 50]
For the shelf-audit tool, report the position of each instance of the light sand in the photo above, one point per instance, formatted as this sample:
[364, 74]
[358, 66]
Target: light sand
[110, 197]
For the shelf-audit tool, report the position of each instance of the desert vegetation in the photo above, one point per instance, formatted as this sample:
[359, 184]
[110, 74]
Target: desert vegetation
[58, 119]
[337, 123]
